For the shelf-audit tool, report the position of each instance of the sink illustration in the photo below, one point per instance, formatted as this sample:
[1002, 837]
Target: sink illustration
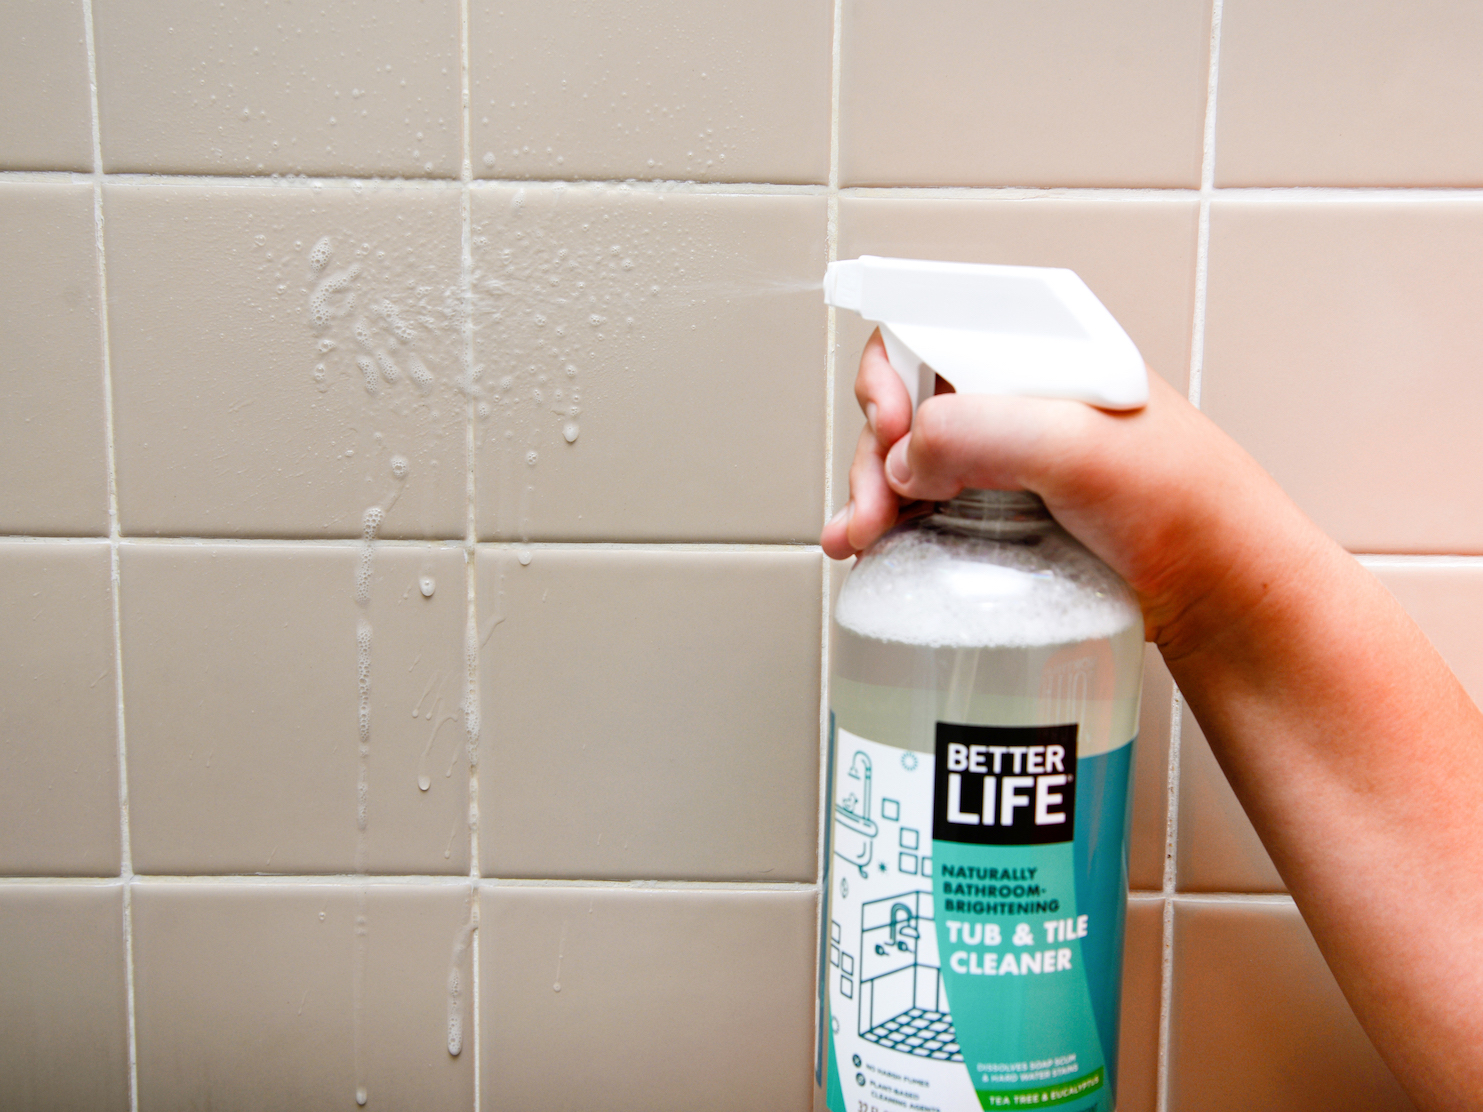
[855, 833]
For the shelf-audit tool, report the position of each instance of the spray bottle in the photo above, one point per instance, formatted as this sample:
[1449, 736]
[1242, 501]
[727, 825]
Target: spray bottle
[984, 692]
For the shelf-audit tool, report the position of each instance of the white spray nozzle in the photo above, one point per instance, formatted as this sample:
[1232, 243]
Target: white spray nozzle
[1031, 331]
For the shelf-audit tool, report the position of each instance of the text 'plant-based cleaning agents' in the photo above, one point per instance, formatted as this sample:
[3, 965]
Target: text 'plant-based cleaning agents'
[984, 693]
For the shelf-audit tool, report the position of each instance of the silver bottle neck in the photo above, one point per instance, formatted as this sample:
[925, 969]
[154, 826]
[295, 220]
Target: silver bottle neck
[992, 513]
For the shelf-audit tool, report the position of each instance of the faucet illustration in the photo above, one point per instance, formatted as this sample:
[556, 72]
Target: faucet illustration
[853, 813]
[902, 929]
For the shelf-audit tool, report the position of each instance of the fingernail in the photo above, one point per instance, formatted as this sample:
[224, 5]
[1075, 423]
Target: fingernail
[896, 462]
[870, 412]
[844, 515]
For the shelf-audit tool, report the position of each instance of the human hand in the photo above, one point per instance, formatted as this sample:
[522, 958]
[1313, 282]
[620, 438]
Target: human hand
[1159, 493]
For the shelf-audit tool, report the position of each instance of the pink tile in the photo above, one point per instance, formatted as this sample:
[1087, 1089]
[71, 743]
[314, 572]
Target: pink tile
[277, 349]
[59, 806]
[970, 92]
[1445, 598]
[1218, 849]
[651, 89]
[1143, 977]
[64, 1024]
[337, 87]
[1341, 350]
[650, 364]
[243, 667]
[644, 1000]
[53, 435]
[48, 119]
[1257, 1020]
[294, 996]
[1149, 834]
[1349, 92]
[649, 714]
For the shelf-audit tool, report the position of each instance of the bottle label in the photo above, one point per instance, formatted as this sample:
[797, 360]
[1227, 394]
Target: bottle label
[973, 933]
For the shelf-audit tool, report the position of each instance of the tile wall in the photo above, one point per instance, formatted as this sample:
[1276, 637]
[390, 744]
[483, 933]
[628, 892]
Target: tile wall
[417, 420]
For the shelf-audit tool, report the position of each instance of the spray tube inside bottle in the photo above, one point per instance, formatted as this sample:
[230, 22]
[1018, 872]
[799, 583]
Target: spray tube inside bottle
[984, 687]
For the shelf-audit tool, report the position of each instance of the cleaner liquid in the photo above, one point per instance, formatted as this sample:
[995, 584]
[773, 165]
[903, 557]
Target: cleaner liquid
[983, 704]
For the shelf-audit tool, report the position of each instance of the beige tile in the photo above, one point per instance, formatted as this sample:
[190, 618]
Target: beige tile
[1445, 598]
[340, 87]
[646, 1000]
[996, 93]
[246, 402]
[650, 714]
[679, 337]
[1334, 93]
[1258, 1022]
[59, 804]
[1218, 851]
[1143, 975]
[242, 697]
[48, 119]
[294, 996]
[1341, 338]
[63, 1020]
[53, 443]
[1148, 835]
[652, 89]
[1138, 256]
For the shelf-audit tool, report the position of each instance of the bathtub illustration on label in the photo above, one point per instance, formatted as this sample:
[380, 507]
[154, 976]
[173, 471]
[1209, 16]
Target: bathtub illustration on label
[854, 840]
[902, 1000]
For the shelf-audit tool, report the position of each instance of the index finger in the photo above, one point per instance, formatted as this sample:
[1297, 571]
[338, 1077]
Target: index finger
[882, 394]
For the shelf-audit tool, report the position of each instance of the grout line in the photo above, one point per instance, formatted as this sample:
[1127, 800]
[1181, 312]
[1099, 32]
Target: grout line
[1207, 190]
[457, 880]
[1283, 898]
[1171, 813]
[1165, 1007]
[657, 885]
[1368, 559]
[1170, 194]
[1411, 560]
[1202, 279]
[831, 252]
[393, 880]
[1170, 893]
[126, 855]
[1176, 708]
[444, 543]
[471, 540]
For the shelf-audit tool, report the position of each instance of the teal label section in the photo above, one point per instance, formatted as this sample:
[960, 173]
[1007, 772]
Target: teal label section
[954, 976]
[1030, 938]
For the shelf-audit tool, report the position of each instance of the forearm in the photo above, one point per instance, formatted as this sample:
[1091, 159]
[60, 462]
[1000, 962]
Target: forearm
[1359, 759]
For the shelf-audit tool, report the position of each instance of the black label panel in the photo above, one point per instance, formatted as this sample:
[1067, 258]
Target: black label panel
[1005, 785]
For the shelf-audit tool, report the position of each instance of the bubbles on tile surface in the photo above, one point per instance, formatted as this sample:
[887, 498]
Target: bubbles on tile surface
[421, 377]
[461, 946]
[427, 586]
[319, 254]
[368, 370]
[388, 369]
[321, 310]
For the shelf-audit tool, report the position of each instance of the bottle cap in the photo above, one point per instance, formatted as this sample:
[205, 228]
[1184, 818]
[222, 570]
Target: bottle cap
[1030, 331]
